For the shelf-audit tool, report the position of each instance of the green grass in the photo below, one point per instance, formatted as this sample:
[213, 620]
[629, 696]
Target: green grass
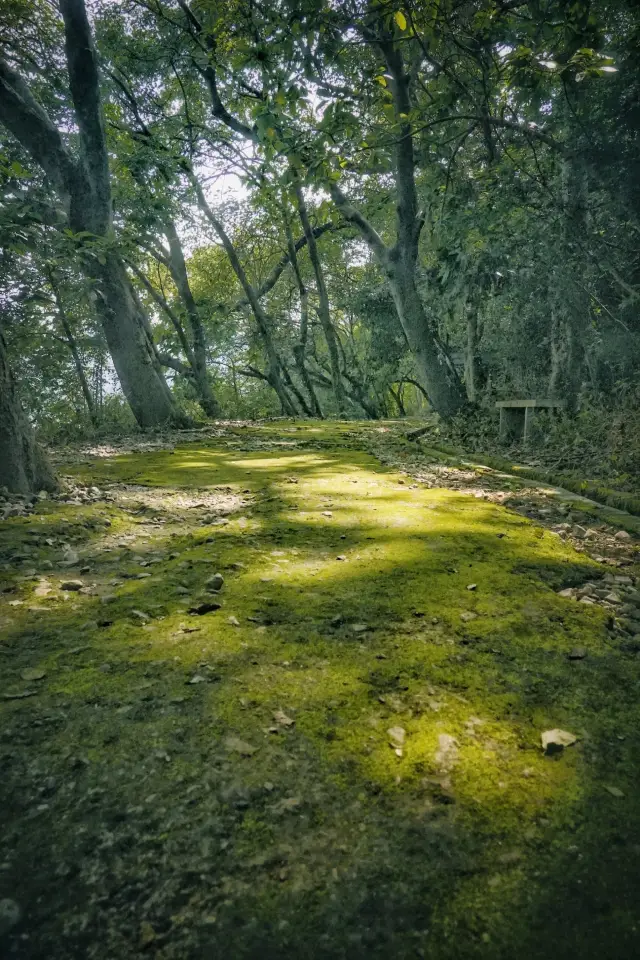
[323, 843]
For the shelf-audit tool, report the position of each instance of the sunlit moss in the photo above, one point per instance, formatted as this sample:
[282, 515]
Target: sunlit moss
[348, 594]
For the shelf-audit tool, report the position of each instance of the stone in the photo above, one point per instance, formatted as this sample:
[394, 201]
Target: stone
[472, 586]
[622, 535]
[398, 735]
[236, 745]
[33, 673]
[215, 582]
[10, 914]
[578, 653]
[554, 741]
[567, 592]
[468, 616]
[206, 606]
[71, 585]
[447, 753]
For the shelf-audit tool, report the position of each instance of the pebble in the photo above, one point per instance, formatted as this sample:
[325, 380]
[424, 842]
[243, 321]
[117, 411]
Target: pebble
[72, 585]
[10, 914]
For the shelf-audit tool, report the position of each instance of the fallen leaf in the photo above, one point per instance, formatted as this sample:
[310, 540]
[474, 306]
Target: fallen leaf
[615, 791]
[147, 934]
[281, 717]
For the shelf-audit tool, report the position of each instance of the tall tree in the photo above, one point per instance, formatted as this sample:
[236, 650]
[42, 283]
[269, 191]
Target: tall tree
[83, 184]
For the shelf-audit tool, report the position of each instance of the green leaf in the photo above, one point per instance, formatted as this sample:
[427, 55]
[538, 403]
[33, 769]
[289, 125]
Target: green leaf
[401, 20]
[381, 80]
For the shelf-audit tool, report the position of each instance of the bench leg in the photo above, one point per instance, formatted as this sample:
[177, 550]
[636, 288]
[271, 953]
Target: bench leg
[529, 415]
[512, 423]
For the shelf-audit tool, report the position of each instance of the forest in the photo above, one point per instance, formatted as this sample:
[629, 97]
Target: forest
[319, 498]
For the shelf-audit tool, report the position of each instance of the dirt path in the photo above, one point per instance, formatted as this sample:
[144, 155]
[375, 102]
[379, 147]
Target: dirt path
[335, 753]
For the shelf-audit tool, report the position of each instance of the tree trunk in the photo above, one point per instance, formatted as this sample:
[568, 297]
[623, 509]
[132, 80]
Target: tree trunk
[441, 380]
[23, 465]
[262, 320]
[178, 270]
[84, 186]
[324, 311]
[474, 373]
[300, 348]
[73, 347]
[133, 354]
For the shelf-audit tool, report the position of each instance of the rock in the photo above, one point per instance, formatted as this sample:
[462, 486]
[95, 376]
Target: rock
[33, 673]
[398, 735]
[359, 627]
[468, 616]
[71, 585]
[197, 678]
[215, 582]
[472, 586]
[327, 513]
[447, 753]
[22, 695]
[341, 557]
[578, 653]
[622, 535]
[613, 598]
[69, 558]
[236, 745]
[567, 592]
[578, 532]
[10, 915]
[554, 741]
[233, 621]
[207, 606]
[140, 615]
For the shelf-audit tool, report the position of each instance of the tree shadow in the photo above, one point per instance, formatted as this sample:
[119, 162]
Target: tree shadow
[134, 825]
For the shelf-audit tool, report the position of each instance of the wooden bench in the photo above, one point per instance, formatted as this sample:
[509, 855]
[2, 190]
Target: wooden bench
[516, 416]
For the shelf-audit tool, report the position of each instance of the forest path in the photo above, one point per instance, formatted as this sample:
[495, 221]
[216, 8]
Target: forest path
[344, 759]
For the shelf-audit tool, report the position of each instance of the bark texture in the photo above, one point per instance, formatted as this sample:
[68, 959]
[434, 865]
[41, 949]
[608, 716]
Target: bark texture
[23, 465]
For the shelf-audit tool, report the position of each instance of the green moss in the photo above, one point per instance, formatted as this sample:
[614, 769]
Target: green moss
[350, 591]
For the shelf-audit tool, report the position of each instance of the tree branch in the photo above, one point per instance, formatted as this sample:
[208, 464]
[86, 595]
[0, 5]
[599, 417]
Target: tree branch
[23, 116]
[354, 216]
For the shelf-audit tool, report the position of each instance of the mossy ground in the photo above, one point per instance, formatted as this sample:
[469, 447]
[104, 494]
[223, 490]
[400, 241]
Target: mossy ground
[133, 824]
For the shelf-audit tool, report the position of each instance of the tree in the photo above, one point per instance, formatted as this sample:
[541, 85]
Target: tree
[23, 466]
[83, 184]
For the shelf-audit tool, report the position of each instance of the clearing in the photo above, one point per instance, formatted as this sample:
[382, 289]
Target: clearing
[344, 759]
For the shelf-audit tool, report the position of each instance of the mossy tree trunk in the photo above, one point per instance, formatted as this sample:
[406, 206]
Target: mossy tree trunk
[23, 466]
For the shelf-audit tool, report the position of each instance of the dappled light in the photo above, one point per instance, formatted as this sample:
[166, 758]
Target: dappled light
[344, 759]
